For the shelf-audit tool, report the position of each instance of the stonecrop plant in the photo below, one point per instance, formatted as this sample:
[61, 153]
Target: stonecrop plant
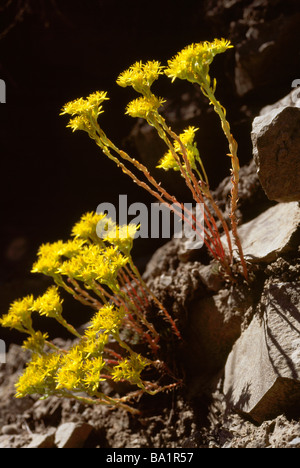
[191, 64]
[98, 272]
[98, 269]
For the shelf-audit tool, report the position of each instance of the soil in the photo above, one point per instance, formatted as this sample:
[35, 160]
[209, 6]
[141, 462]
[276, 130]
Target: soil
[194, 415]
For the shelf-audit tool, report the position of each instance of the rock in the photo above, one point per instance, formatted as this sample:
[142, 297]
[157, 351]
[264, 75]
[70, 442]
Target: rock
[72, 435]
[271, 233]
[276, 149]
[262, 372]
[214, 324]
[6, 441]
[43, 440]
[290, 100]
[260, 45]
[295, 442]
[9, 429]
[210, 277]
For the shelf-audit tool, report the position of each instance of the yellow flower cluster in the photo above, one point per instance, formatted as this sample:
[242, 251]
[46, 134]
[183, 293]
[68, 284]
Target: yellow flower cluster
[20, 311]
[39, 375]
[92, 261]
[86, 228]
[49, 304]
[36, 342]
[79, 371]
[130, 369]
[19, 315]
[88, 257]
[187, 140]
[192, 63]
[141, 76]
[85, 111]
[86, 106]
[108, 319]
[56, 372]
[143, 106]
[76, 371]
[80, 368]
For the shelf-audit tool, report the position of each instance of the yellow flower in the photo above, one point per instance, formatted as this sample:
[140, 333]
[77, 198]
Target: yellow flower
[85, 112]
[48, 258]
[140, 76]
[192, 63]
[19, 315]
[83, 106]
[108, 319]
[122, 237]
[80, 122]
[68, 375]
[39, 375]
[36, 342]
[94, 341]
[92, 373]
[86, 227]
[143, 106]
[130, 369]
[49, 304]
[187, 138]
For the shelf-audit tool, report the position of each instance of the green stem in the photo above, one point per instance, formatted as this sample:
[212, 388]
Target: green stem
[220, 110]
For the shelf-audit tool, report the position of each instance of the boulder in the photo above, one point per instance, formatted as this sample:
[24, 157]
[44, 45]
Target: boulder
[271, 233]
[214, 324]
[43, 440]
[72, 435]
[276, 148]
[262, 372]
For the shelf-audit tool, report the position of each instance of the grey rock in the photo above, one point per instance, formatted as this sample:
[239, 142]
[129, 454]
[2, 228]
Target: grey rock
[43, 440]
[262, 372]
[210, 277]
[295, 441]
[276, 152]
[10, 429]
[214, 324]
[271, 233]
[260, 45]
[72, 435]
[290, 100]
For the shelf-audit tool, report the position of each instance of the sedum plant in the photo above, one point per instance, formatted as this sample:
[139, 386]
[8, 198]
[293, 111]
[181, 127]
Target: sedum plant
[191, 64]
[98, 272]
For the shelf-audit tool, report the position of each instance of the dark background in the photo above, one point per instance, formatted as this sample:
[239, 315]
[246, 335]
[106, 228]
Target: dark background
[52, 52]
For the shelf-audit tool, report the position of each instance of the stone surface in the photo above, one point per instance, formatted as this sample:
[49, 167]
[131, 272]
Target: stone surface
[262, 373]
[290, 100]
[214, 324]
[271, 233]
[43, 440]
[261, 55]
[72, 435]
[276, 151]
